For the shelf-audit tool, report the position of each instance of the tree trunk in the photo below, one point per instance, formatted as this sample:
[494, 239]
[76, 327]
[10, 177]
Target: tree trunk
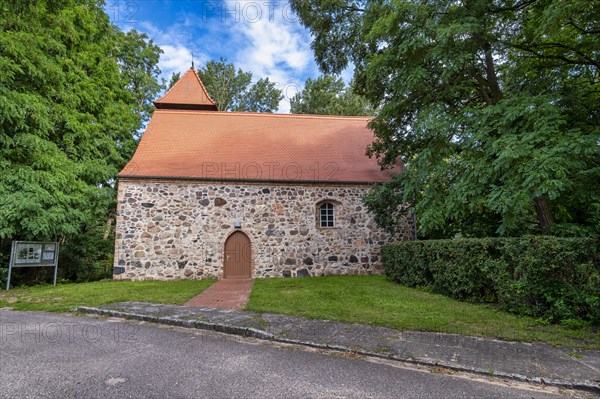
[544, 215]
[108, 226]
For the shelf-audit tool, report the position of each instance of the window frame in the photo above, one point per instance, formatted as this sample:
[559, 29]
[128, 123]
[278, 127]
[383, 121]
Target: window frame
[327, 211]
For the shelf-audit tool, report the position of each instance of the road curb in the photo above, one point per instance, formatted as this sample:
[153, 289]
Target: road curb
[260, 334]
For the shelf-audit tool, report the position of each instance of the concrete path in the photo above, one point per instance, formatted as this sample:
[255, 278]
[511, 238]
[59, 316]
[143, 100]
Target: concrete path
[531, 362]
[224, 294]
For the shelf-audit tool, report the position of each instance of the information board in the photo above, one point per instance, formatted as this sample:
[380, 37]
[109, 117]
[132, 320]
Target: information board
[33, 254]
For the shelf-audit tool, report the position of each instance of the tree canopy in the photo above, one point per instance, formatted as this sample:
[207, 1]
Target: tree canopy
[233, 90]
[138, 57]
[328, 95]
[491, 105]
[73, 91]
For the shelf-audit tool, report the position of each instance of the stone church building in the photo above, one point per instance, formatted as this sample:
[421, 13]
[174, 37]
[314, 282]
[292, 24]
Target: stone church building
[212, 194]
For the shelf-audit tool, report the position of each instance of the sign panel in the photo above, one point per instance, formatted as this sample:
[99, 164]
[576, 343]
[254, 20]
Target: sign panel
[28, 254]
[33, 254]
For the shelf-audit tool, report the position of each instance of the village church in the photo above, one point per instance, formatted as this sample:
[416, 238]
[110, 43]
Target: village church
[212, 194]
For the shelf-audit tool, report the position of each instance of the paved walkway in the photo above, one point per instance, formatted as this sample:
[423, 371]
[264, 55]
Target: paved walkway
[533, 362]
[224, 294]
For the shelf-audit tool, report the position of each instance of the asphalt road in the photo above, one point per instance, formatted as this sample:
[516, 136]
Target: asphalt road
[62, 356]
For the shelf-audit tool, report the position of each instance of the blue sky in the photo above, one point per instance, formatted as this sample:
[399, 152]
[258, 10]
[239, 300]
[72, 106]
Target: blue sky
[263, 37]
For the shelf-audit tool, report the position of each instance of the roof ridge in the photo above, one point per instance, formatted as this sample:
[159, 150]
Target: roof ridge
[266, 114]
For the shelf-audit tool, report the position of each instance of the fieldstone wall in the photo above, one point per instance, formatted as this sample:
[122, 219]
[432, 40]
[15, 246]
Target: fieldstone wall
[177, 229]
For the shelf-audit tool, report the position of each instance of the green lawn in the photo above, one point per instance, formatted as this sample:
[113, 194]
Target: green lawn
[374, 300]
[65, 297]
[355, 299]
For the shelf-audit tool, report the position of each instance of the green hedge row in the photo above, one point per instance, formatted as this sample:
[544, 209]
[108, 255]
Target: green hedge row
[554, 278]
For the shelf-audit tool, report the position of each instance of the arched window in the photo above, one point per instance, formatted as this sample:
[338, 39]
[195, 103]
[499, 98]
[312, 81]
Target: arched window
[327, 215]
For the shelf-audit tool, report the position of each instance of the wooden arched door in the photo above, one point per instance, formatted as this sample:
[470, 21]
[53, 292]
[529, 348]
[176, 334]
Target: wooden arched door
[238, 256]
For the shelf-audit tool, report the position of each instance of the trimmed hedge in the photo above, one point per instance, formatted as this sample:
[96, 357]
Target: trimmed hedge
[554, 278]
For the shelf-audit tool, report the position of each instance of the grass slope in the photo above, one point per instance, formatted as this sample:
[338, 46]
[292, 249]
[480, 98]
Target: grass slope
[374, 300]
[65, 297]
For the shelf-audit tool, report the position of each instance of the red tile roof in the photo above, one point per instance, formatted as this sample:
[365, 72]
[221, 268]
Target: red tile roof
[187, 93]
[188, 138]
[255, 146]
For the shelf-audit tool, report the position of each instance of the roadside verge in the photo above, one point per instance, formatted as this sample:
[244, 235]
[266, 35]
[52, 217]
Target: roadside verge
[536, 363]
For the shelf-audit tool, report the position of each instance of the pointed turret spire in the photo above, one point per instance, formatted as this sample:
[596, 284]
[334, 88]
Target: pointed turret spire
[187, 93]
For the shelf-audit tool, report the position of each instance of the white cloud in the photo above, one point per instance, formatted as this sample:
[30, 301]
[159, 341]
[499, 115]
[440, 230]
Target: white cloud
[278, 49]
[174, 34]
[174, 59]
[268, 43]
[177, 47]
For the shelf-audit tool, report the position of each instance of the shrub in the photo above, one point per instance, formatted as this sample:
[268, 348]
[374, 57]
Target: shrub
[88, 258]
[554, 278]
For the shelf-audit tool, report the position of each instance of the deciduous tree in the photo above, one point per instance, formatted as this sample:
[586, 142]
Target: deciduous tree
[233, 90]
[492, 105]
[138, 56]
[73, 90]
[328, 95]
